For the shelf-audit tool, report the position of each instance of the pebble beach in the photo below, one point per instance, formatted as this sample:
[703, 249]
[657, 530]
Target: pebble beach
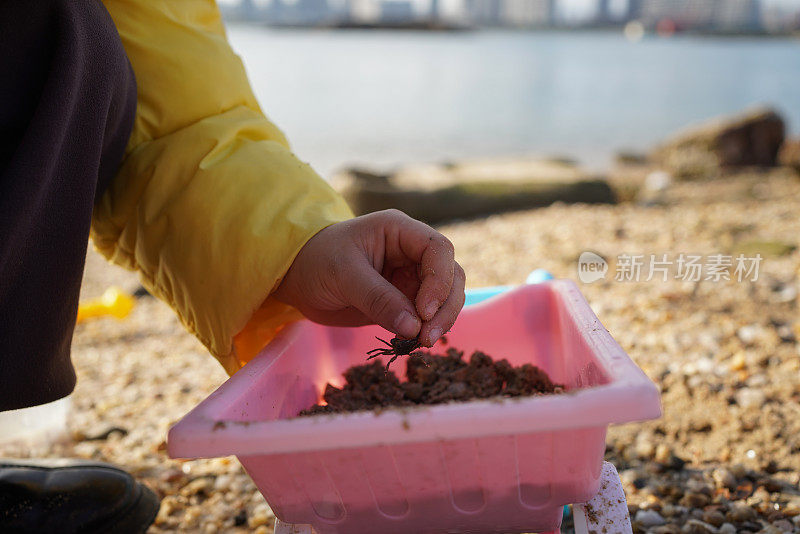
[724, 458]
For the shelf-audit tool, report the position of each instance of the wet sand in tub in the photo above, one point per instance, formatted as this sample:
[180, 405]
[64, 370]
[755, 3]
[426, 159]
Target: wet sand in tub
[433, 379]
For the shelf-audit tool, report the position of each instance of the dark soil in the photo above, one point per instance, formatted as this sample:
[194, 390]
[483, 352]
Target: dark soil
[433, 379]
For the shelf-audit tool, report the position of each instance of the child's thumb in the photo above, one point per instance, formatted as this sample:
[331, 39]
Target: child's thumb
[380, 301]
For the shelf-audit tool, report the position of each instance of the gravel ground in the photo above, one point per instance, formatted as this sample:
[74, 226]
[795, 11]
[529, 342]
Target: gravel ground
[724, 458]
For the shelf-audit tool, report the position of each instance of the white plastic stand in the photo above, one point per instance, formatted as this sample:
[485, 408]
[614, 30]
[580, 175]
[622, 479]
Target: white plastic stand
[606, 512]
[286, 528]
[37, 424]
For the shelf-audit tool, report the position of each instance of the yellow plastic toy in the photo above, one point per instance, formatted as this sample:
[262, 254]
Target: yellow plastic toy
[114, 302]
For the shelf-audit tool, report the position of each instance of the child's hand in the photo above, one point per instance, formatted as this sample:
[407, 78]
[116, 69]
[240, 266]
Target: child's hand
[383, 268]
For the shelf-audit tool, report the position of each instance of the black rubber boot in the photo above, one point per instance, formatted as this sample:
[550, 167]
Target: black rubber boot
[72, 496]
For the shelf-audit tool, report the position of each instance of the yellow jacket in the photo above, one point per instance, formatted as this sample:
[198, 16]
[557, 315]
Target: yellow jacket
[210, 206]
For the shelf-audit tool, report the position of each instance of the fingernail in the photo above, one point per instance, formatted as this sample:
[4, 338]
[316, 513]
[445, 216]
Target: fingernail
[431, 309]
[406, 324]
[435, 334]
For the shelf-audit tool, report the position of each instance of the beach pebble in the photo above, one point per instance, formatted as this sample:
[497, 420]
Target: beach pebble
[738, 362]
[750, 398]
[783, 525]
[792, 508]
[738, 470]
[657, 180]
[645, 447]
[696, 381]
[785, 333]
[757, 381]
[714, 517]
[165, 510]
[628, 476]
[663, 454]
[670, 510]
[750, 526]
[705, 365]
[192, 514]
[172, 475]
[649, 518]
[223, 482]
[740, 513]
[727, 528]
[197, 486]
[261, 515]
[749, 333]
[724, 478]
[698, 486]
[759, 496]
[695, 526]
[695, 500]
[771, 485]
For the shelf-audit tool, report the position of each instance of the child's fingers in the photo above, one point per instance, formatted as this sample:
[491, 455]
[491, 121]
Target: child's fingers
[443, 320]
[379, 300]
[406, 280]
[349, 316]
[437, 267]
[434, 254]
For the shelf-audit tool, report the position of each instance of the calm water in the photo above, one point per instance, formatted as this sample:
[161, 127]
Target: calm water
[384, 98]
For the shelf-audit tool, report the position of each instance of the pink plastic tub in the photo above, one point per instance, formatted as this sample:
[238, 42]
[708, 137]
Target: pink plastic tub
[483, 466]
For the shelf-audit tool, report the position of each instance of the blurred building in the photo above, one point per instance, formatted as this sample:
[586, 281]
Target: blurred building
[483, 12]
[738, 15]
[435, 11]
[780, 18]
[516, 13]
[298, 12]
[396, 11]
[360, 11]
[529, 13]
[633, 10]
[604, 15]
[724, 15]
[248, 9]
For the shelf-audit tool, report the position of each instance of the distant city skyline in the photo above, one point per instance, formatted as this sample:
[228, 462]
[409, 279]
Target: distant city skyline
[664, 15]
[587, 8]
[571, 8]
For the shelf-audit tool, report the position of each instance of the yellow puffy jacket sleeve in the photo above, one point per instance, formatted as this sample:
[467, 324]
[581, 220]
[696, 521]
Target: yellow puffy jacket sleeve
[209, 205]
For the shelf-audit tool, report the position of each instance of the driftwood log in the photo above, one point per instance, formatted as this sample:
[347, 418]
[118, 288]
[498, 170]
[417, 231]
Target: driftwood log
[463, 192]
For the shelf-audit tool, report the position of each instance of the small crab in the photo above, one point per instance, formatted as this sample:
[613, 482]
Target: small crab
[397, 347]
